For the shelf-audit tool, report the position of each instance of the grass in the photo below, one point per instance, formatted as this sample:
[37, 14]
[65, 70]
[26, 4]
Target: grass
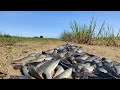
[83, 34]
[87, 34]
[7, 39]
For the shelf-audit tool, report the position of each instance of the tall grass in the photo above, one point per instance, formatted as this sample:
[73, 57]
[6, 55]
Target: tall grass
[87, 34]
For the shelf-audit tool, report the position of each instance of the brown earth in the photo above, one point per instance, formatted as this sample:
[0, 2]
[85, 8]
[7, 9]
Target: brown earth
[19, 50]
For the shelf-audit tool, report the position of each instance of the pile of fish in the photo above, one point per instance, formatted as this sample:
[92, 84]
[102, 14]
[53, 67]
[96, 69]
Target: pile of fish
[66, 62]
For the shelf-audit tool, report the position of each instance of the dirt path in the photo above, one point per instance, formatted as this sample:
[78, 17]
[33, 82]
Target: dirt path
[103, 51]
[19, 50]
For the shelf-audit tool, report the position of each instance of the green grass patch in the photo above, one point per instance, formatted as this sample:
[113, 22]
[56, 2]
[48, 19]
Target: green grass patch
[88, 34]
[9, 40]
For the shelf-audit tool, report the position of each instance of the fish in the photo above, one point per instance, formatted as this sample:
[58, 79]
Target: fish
[100, 64]
[62, 54]
[45, 70]
[50, 68]
[34, 73]
[97, 60]
[42, 59]
[88, 69]
[65, 74]
[78, 59]
[77, 75]
[24, 60]
[103, 70]
[21, 77]
[117, 68]
[73, 47]
[84, 57]
[115, 62]
[92, 58]
[68, 54]
[42, 55]
[60, 69]
[61, 47]
[84, 77]
[32, 63]
[25, 71]
[41, 63]
[64, 65]
[76, 65]
[66, 61]
[118, 64]
[86, 64]
[55, 56]
[104, 73]
[111, 70]
[48, 52]
[80, 51]
[18, 67]
[79, 66]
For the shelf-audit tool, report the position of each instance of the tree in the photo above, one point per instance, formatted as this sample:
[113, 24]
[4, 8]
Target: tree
[41, 36]
[35, 37]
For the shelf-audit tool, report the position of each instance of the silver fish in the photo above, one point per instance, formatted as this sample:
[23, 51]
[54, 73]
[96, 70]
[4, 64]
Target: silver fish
[25, 71]
[64, 65]
[77, 75]
[86, 64]
[60, 69]
[23, 61]
[34, 73]
[83, 65]
[66, 61]
[42, 59]
[61, 47]
[117, 69]
[103, 70]
[84, 77]
[48, 52]
[80, 67]
[41, 63]
[80, 51]
[85, 57]
[50, 68]
[21, 77]
[45, 69]
[115, 63]
[62, 54]
[66, 74]
[92, 58]
[42, 56]
[88, 68]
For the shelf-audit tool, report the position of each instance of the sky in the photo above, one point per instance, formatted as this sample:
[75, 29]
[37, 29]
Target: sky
[51, 24]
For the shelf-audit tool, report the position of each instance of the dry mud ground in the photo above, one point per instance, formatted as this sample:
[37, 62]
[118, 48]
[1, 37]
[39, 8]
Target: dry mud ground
[19, 50]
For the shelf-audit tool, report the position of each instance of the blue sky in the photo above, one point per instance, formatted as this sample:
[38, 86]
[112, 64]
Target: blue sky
[51, 23]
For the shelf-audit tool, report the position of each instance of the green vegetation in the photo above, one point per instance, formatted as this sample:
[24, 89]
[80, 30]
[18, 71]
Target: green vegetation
[84, 34]
[9, 40]
[87, 34]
